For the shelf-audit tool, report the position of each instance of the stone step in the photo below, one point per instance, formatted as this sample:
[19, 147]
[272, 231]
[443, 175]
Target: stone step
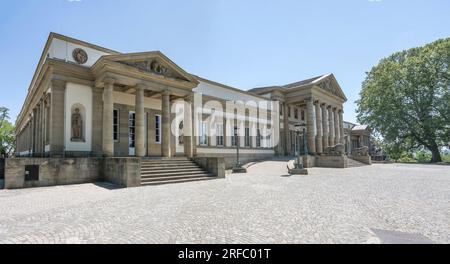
[172, 170]
[354, 163]
[168, 163]
[185, 170]
[157, 177]
[177, 181]
[170, 174]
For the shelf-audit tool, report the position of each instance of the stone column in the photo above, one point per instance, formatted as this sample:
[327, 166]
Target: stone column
[319, 146]
[287, 137]
[336, 126]
[310, 126]
[330, 127]
[30, 134]
[341, 126]
[38, 129]
[187, 127]
[165, 140]
[324, 126]
[140, 121]
[42, 131]
[34, 149]
[277, 126]
[108, 144]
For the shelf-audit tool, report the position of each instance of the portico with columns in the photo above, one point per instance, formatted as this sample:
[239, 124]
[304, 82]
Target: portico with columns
[320, 101]
[154, 83]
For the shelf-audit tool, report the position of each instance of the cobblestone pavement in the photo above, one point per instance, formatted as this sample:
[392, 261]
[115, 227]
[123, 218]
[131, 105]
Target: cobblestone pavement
[264, 206]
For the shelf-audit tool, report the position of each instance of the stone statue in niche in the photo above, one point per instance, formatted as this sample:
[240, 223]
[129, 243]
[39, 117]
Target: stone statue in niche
[77, 126]
[180, 133]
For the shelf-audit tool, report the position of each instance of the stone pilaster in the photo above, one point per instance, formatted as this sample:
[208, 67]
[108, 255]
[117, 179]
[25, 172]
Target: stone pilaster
[310, 126]
[287, 136]
[140, 121]
[108, 144]
[165, 120]
[336, 126]
[97, 123]
[341, 127]
[57, 117]
[324, 126]
[187, 127]
[330, 127]
[319, 146]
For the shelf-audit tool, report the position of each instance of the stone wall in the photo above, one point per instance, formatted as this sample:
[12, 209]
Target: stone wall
[331, 161]
[230, 159]
[125, 172]
[52, 171]
[215, 166]
[364, 159]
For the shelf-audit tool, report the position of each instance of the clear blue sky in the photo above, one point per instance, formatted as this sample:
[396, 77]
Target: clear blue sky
[244, 44]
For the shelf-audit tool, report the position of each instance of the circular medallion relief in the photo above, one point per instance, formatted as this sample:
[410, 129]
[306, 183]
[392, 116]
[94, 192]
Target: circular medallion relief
[80, 56]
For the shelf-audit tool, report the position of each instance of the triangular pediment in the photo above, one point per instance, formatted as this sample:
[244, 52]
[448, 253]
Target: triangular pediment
[153, 63]
[330, 85]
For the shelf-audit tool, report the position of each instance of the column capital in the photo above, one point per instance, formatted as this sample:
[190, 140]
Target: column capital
[109, 81]
[309, 99]
[140, 86]
[58, 83]
[277, 98]
[166, 92]
[189, 97]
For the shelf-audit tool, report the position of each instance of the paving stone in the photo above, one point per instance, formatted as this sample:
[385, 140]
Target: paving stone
[409, 203]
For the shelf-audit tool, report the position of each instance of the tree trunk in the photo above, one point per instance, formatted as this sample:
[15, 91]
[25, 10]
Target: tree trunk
[435, 154]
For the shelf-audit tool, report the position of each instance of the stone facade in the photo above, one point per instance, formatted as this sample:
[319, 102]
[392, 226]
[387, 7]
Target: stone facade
[127, 105]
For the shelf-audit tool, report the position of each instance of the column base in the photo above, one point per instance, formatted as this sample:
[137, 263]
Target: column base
[298, 171]
[239, 170]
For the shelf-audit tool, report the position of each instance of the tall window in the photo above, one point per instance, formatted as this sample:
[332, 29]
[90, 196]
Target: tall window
[247, 137]
[289, 111]
[303, 115]
[219, 134]
[296, 113]
[281, 109]
[258, 138]
[203, 138]
[158, 129]
[233, 137]
[116, 125]
[132, 126]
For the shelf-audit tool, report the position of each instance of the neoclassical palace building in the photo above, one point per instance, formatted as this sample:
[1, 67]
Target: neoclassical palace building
[86, 101]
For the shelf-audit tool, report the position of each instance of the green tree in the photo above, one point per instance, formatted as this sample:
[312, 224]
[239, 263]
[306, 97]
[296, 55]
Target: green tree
[406, 98]
[7, 136]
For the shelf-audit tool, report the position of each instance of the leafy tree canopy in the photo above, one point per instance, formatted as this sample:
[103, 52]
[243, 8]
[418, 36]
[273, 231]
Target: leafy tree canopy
[406, 98]
[7, 135]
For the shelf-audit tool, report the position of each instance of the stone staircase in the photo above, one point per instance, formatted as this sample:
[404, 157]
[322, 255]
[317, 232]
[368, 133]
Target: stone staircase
[171, 170]
[354, 163]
